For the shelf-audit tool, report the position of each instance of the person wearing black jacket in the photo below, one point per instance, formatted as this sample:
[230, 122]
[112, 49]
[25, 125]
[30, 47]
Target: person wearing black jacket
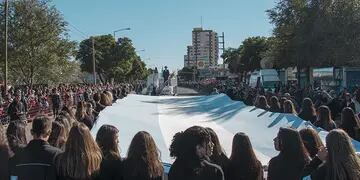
[56, 101]
[348, 102]
[292, 159]
[274, 105]
[308, 112]
[244, 164]
[191, 149]
[17, 108]
[107, 139]
[36, 160]
[218, 156]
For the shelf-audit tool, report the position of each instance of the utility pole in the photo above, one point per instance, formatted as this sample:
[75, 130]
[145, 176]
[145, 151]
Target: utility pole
[6, 45]
[93, 59]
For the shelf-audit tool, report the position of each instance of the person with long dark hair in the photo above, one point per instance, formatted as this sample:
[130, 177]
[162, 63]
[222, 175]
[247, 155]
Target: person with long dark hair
[348, 102]
[191, 150]
[218, 154]
[83, 116]
[261, 103]
[311, 140]
[282, 102]
[63, 120]
[4, 154]
[342, 163]
[143, 159]
[244, 164]
[292, 159]
[308, 112]
[82, 156]
[98, 106]
[275, 105]
[107, 139]
[350, 123]
[58, 135]
[16, 136]
[324, 119]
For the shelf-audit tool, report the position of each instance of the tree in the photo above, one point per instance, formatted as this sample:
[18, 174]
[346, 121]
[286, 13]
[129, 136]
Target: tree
[251, 52]
[38, 40]
[313, 33]
[231, 57]
[247, 57]
[114, 60]
[104, 47]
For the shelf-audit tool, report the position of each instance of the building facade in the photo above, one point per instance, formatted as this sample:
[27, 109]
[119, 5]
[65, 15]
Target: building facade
[204, 51]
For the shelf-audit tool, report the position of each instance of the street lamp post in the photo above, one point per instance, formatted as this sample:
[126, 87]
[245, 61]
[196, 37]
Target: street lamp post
[123, 29]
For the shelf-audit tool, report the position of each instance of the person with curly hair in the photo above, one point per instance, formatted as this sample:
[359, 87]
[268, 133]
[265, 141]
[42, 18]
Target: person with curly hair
[191, 150]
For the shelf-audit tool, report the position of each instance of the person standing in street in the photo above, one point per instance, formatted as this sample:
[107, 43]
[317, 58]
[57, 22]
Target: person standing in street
[17, 108]
[166, 75]
[55, 99]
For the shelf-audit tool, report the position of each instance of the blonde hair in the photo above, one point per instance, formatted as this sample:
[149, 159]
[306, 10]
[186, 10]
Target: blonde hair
[110, 96]
[289, 107]
[105, 99]
[343, 163]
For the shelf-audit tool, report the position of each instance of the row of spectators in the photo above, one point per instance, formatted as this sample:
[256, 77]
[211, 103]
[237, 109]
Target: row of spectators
[25, 103]
[63, 148]
[197, 151]
[322, 108]
[53, 134]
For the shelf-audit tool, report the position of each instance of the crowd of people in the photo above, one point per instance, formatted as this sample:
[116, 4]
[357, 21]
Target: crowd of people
[326, 109]
[62, 146]
[24, 103]
[197, 152]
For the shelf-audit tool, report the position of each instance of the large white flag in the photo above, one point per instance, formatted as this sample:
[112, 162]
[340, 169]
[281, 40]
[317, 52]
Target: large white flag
[163, 116]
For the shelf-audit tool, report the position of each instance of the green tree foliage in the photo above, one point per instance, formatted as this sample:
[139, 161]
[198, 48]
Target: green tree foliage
[38, 43]
[251, 52]
[138, 70]
[104, 47]
[248, 56]
[313, 33]
[114, 60]
[231, 57]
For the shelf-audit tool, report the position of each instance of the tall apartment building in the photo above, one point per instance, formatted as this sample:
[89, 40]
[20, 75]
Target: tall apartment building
[204, 51]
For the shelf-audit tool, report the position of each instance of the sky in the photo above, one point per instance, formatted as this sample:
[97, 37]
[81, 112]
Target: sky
[163, 27]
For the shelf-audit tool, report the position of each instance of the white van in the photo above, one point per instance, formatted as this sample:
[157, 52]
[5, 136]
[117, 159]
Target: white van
[266, 78]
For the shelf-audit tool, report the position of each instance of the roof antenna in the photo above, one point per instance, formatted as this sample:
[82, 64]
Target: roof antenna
[201, 22]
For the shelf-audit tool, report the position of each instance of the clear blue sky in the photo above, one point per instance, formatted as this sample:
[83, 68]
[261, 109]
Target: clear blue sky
[163, 27]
